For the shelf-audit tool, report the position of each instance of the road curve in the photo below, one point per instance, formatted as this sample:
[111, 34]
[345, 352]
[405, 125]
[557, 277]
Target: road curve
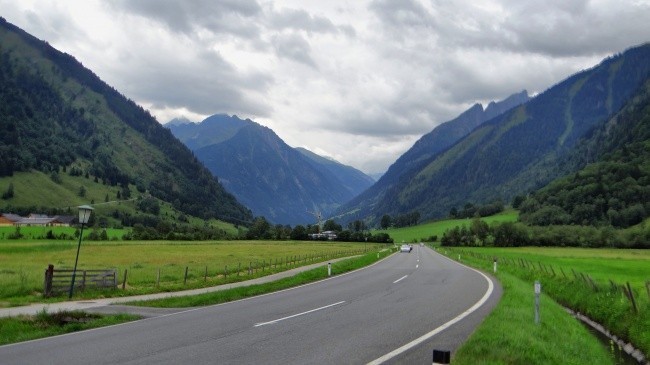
[357, 318]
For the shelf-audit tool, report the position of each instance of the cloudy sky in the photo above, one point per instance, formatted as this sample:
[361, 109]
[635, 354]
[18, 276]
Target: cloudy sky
[359, 81]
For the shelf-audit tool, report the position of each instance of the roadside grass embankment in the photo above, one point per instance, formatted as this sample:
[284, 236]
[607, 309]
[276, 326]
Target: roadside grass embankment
[604, 302]
[156, 266]
[303, 278]
[44, 324]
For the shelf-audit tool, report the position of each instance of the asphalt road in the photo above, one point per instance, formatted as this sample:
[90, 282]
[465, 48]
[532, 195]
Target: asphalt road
[391, 312]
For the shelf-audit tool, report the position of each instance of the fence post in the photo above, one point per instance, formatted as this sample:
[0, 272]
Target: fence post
[83, 281]
[538, 290]
[158, 278]
[49, 273]
[185, 279]
[205, 277]
[124, 282]
[629, 290]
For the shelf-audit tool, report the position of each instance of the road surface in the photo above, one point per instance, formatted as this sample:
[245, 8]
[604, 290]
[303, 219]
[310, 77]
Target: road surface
[396, 312]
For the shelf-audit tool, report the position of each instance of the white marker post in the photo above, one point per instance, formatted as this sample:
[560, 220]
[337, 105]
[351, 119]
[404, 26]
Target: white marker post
[495, 266]
[329, 269]
[538, 290]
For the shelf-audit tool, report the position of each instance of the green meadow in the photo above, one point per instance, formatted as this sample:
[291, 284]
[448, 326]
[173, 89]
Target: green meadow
[436, 228]
[155, 266]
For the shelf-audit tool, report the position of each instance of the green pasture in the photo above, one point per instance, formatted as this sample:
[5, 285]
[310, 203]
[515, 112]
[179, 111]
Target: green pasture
[39, 233]
[590, 281]
[22, 264]
[619, 265]
[437, 228]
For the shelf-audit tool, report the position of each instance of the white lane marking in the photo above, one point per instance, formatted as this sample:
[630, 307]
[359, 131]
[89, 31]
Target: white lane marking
[427, 336]
[417, 266]
[298, 314]
[400, 279]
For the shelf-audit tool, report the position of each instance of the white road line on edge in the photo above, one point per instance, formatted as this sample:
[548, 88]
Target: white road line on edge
[434, 332]
[400, 279]
[298, 314]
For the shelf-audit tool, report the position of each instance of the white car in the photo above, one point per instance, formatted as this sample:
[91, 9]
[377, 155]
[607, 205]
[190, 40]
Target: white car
[405, 248]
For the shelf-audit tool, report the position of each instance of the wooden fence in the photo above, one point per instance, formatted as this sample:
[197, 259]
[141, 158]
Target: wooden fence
[57, 281]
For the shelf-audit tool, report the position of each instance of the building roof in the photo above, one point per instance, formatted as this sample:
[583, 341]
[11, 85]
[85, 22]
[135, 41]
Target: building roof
[12, 217]
[38, 221]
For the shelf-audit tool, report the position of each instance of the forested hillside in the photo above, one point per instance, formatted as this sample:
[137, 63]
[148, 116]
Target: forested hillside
[58, 116]
[430, 145]
[517, 152]
[615, 189]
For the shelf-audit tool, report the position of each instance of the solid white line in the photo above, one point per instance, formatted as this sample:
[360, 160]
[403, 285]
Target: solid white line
[427, 336]
[400, 279]
[297, 315]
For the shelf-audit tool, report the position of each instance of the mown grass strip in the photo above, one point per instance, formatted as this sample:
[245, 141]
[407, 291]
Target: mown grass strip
[44, 324]
[603, 301]
[229, 295]
[509, 335]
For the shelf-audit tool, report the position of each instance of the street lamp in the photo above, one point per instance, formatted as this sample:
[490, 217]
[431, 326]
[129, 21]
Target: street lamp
[84, 215]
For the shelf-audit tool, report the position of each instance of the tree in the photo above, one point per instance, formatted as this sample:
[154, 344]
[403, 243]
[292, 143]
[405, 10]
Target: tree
[260, 229]
[330, 225]
[9, 193]
[386, 221]
[299, 233]
[82, 191]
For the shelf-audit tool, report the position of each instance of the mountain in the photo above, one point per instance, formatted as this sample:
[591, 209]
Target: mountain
[59, 117]
[611, 185]
[429, 145]
[178, 121]
[517, 151]
[286, 185]
[212, 130]
[352, 179]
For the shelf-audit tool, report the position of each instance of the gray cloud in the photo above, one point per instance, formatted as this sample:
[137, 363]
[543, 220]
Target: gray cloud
[295, 47]
[380, 73]
[234, 17]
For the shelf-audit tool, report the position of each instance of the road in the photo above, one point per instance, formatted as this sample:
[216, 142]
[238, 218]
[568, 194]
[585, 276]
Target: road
[374, 314]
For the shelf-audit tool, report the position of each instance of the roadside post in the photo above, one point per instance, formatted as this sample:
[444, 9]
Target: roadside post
[538, 290]
[441, 357]
[495, 265]
[329, 269]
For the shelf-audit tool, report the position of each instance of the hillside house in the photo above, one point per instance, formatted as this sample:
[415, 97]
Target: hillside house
[8, 219]
[42, 220]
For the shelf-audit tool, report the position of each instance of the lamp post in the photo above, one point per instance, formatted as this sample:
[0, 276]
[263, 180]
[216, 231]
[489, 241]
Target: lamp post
[84, 215]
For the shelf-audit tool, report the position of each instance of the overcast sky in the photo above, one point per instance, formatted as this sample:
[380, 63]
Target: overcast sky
[359, 81]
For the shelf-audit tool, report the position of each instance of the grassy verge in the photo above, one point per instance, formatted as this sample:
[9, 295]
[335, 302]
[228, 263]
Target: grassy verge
[258, 289]
[509, 334]
[605, 305]
[25, 328]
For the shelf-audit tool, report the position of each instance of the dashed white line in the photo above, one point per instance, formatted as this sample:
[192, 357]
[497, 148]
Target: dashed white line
[400, 279]
[434, 332]
[298, 314]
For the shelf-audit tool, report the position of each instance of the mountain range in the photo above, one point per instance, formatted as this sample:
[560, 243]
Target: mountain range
[284, 184]
[513, 153]
[429, 145]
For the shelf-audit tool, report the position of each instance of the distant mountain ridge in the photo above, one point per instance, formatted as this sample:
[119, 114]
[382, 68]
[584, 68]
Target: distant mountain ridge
[429, 145]
[515, 152]
[284, 184]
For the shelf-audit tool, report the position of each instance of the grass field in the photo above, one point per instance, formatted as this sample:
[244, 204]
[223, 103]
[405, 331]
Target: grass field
[22, 264]
[437, 228]
[589, 290]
